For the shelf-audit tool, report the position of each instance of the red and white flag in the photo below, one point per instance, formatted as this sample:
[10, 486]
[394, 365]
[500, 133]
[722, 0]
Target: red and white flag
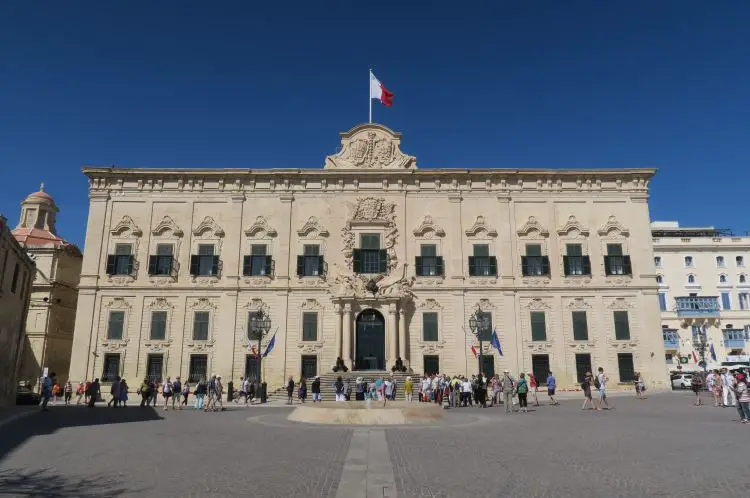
[695, 357]
[474, 350]
[380, 92]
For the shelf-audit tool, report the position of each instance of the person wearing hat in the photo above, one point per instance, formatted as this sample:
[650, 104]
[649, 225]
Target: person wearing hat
[315, 388]
[507, 386]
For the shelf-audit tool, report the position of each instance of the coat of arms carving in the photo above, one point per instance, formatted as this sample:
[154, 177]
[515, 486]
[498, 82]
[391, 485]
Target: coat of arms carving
[370, 146]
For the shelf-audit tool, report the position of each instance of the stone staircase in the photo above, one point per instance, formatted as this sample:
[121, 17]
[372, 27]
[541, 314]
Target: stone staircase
[327, 380]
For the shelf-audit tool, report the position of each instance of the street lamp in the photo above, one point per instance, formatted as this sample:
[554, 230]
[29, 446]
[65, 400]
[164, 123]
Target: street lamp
[479, 324]
[258, 327]
[700, 344]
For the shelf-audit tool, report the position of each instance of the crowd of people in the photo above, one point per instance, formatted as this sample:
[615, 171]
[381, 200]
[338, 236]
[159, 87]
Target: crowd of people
[727, 389]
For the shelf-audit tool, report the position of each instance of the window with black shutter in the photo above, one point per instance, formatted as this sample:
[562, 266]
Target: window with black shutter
[615, 263]
[370, 257]
[198, 369]
[574, 262]
[309, 326]
[481, 264]
[534, 264]
[161, 262]
[205, 263]
[622, 325]
[121, 262]
[428, 263]
[430, 326]
[115, 325]
[310, 262]
[260, 261]
[580, 326]
[538, 326]
[111, 368]
[158, 325]
[625, 366]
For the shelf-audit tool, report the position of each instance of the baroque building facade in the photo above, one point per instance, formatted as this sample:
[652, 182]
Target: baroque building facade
[54, 290]
[704, 295]
[370, 260]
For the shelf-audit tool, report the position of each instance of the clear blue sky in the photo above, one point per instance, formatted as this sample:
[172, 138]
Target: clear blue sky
[477, 84]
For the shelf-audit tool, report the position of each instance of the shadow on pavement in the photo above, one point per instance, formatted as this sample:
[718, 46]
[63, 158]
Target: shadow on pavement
[48, 483]
[17, 432]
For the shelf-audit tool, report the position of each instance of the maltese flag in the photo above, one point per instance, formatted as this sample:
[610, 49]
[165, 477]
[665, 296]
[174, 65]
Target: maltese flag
[379, 92]
[474, 350]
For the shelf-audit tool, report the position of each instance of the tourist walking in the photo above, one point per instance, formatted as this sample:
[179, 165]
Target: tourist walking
[507, 386]
[408, 388]
[717, 388]
[185, 394]
[640, 385]
[348, 390]
[696, 384]
[243, 390]
[200, 393]
[114, 391]
[388, 388]
[177, 393]
[302, 391]
[551, 387]
[219, 388]
[742, 395]
[533, 386]
[338, 386]
[153, 386]
[601, 385]
[123, 399]
[68, 391]
[145, 392]
[80, 392]
[586, 386]
[522, 389]
[48, 384]
[316, 389]
[728, 384]
[166, 392]
[290, 390]
[94, 392]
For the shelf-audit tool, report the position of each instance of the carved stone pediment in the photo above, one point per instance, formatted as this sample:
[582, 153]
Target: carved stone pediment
[370, 146]
[372, 211]
[532, 225]
[209, 224]
[260, 227]
[167, 223]
[481, 226]
[312, 227]
[572, 225]
[612, 225]
[126, 224]
[428, 228]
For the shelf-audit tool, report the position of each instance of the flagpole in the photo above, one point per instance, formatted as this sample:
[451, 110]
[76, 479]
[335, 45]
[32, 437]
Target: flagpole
[369, 95]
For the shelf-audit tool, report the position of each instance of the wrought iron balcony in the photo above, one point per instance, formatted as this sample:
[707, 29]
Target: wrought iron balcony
[697, 306]
[671, 339]
[734, 338]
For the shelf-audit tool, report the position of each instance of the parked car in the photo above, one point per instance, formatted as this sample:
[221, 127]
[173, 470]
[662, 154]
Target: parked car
[25, 396]
[682, 381]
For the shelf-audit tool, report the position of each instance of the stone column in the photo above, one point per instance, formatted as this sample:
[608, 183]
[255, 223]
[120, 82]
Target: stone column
[337, 332]
[391, 336]
[402, 335]
[347, 339]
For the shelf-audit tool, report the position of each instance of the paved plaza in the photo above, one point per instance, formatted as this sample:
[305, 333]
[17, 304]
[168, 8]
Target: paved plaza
[662, 446]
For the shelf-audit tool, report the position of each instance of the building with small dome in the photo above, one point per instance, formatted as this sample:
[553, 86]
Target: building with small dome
[54, 291]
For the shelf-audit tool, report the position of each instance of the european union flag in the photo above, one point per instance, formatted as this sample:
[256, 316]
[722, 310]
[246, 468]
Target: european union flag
[496, 342]
[713, 353]
[270, 346]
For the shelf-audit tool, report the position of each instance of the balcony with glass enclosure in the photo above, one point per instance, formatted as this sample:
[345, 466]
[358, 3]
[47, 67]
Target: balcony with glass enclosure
[671, 339]
[734, 338]
[697, 306]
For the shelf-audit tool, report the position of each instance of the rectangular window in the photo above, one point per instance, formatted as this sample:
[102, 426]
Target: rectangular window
[164, 249]
[428, 250]
[369, 241]
[429, 326]
[662, 301]
[311, 250]
[162, 262]
[657, 261]
[583, 366]
[121, 262]
[574, 249]
[205, 263]
[726, 302]
[111, 367]
[200, 325]
[744, 301]
[622, 326]
[198, 367]
[155, 367]
[158, 325]
[533, 263]
[533, 249]
[625, 366]
[481, 250]
[251, 367]
[540, 368]
[309, 366]
[669, 358]
[115, 326]
[205, 249]
[484, 322]
[371, 258]
[488, 365]
[123, 249]
[258, 249]
[574, 262]
[538, 326]
[481, 264]
[614, 249]
[580, 326]
[312, 261]
[428, 263]
[309, 326]
[431, 364]
[259, 262]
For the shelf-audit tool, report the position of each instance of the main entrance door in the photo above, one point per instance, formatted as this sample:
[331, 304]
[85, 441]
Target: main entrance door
[370, 341]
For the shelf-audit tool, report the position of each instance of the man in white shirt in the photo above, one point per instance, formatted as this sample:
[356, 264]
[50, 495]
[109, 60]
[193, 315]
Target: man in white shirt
[728, 387]
[465, 391]
[603, 389]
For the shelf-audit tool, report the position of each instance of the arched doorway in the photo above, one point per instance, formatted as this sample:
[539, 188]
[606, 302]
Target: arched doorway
[370, 341]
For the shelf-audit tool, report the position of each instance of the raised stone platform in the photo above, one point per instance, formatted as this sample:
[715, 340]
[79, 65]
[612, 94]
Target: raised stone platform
[362, 413]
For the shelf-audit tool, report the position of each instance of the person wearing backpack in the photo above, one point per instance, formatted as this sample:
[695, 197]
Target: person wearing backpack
[586, 386]
[601, 385]
[177, 393]
[522, 389]
[166, 391]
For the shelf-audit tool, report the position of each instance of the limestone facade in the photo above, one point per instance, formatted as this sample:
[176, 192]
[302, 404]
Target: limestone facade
[369, 259]
[54, 292]
[16, 273]
[704, 288]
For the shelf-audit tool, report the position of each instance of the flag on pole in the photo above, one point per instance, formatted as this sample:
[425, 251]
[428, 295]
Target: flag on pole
[380, 92]
[695, 357]
[495, 341]
[270, 346]
[474, 350]
[713, 353]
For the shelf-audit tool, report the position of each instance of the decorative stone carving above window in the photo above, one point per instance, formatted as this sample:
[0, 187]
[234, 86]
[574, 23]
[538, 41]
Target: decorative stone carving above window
[167, 224]
[370, 146]
[481, 228]
[573, 228]
[613, 228]
[432, 304]
[118, 303]
[126, 224]
[371, 212]
[532, 229]
[536, 304]
[260, 229]
[484, 305]
[428, 228]
[620, 303]
[208, 224]
[313, 228]
[579, 303]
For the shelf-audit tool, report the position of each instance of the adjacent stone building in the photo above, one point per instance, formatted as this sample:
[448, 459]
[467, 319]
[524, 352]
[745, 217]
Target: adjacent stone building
[16, 273]
[54, 292]
[704, 295]
[372, 260]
